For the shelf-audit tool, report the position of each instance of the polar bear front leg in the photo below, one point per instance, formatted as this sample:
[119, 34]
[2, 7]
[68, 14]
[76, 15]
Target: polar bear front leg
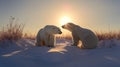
[46, 41]
[51, 41]
[75, 40]
[40, 43]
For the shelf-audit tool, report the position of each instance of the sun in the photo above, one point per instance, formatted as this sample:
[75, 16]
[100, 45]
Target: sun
[65, 20]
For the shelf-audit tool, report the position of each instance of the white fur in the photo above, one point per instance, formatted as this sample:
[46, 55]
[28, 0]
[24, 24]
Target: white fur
[88, 38]
[45, 36]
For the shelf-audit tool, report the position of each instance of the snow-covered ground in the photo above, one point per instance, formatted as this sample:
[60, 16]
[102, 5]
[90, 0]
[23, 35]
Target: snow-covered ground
[23, 53]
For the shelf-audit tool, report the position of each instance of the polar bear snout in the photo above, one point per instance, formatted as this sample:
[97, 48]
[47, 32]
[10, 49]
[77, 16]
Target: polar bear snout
[60, 32]
[57, 31]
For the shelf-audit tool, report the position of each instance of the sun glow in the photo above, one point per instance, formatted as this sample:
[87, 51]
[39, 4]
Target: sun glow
[65, 20]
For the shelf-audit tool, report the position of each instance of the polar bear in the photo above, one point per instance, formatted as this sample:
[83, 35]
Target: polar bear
[87, 37]
[45, 36]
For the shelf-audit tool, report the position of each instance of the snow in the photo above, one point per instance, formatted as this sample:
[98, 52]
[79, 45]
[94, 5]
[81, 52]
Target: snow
[23, 53]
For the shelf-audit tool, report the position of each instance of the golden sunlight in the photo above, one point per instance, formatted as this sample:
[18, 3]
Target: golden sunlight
[65, 20]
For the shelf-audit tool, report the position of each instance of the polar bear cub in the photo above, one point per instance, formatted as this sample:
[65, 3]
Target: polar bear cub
[45, 36]
[87, 37]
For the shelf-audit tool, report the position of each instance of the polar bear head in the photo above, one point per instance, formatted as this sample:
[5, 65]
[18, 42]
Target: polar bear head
[51, 29]
[69, 26]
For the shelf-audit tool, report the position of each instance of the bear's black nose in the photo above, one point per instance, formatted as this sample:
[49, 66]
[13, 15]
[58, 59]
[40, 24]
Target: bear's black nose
[60, 32]
[63, 26]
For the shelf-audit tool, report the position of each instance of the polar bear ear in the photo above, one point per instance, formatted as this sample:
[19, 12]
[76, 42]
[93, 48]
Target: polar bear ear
[70, 25]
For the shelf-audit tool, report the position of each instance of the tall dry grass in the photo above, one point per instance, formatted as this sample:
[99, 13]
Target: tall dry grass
[101, 35]
[29, 36]
[12, 31]
[108, 35]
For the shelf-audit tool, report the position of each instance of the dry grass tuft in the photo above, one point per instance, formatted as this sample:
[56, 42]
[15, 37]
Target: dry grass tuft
[108, 35]
[29, 36]
[13, 31]
[101, 36]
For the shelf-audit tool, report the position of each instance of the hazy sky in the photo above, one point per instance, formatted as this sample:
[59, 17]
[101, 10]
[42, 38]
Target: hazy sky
[100, 15]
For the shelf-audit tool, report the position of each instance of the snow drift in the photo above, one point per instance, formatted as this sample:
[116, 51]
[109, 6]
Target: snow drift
[23, 53]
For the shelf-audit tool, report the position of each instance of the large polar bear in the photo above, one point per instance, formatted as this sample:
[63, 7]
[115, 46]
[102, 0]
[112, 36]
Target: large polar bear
[87, 37]
[45, 36]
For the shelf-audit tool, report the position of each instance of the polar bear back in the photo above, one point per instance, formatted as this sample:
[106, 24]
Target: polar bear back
[89, 40]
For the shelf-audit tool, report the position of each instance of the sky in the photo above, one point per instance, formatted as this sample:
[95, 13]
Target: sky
[97, 15]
